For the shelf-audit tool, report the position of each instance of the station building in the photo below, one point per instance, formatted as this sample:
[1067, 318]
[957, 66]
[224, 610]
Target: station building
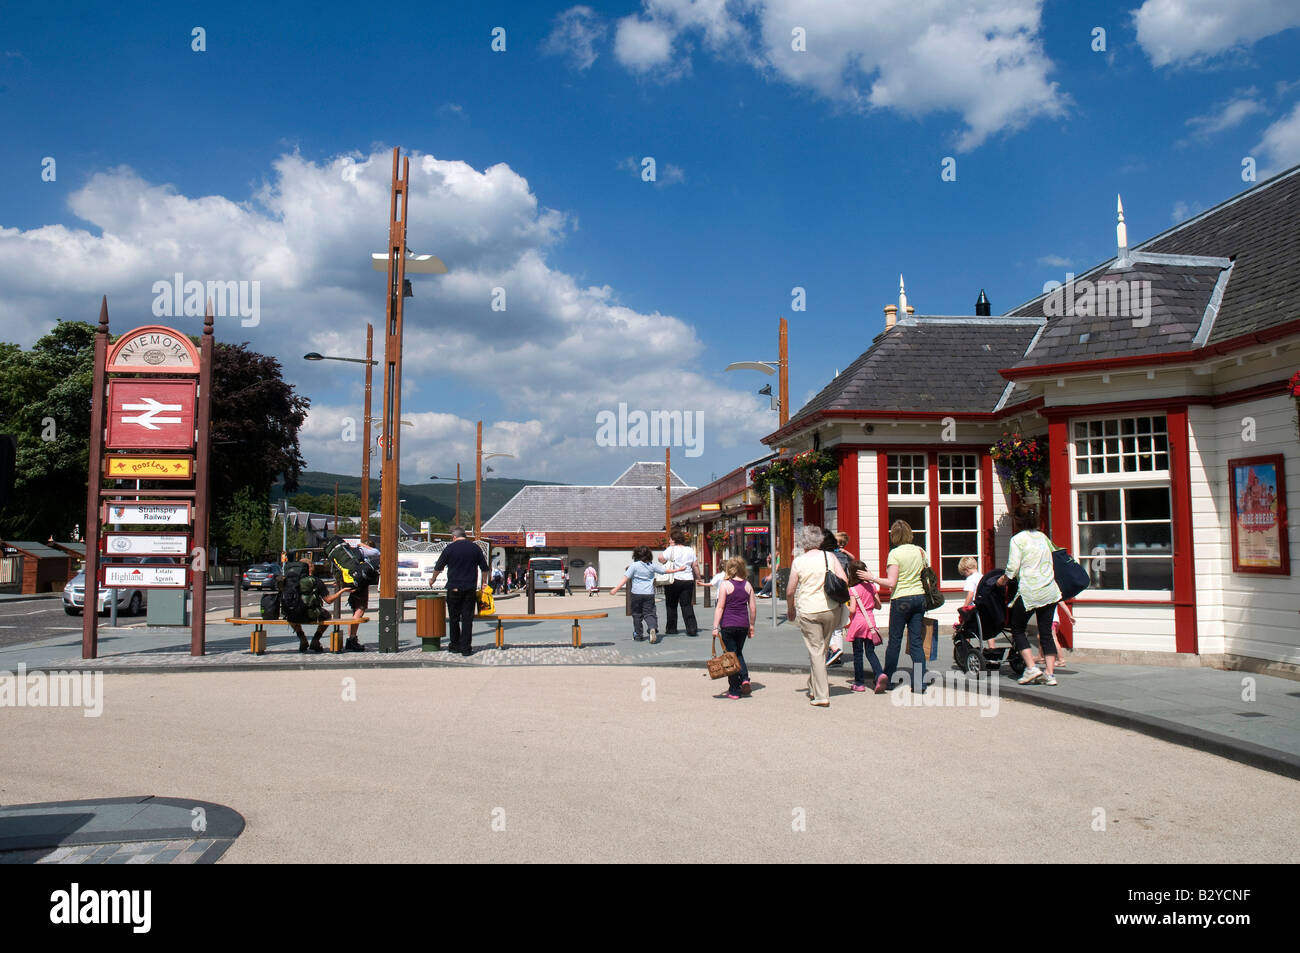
[597, 525]
[1159, 381]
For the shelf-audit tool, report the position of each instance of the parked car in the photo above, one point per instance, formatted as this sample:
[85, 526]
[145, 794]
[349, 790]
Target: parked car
[262, 576]
[129, 601]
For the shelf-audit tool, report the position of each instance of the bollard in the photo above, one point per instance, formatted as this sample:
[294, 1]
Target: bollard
[532, 596]
[627, 599]
[239, 588]
[708, 597]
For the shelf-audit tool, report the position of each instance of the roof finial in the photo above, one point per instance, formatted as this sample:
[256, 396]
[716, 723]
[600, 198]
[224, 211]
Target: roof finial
[1121, 234]
[902, 298]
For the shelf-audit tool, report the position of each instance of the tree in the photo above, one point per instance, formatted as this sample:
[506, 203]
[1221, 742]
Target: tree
[247, 524]
[45, 403]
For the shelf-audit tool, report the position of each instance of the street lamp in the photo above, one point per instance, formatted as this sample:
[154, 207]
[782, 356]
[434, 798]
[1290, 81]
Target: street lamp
[479, 457]
[395, 260]
[781, 404]
[455, 521]
[370, 362]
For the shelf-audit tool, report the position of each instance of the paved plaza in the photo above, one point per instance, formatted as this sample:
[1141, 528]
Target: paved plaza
[631, 763]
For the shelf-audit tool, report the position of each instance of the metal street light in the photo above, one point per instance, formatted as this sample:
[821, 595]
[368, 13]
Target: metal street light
[456, 518]
[370, 362]
[479, 457]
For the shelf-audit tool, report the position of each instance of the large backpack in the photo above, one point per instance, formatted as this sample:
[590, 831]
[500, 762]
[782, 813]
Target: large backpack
[348, 561]
[301, 596]
[271, 605]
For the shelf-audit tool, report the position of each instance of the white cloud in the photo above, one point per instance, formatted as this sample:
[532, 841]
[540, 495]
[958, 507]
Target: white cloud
[1054, 261]
[982, 59]
[1226, 115]
[1279, 147]
[1191, 31]
[643, 45]
[577, 30]
[558, 353]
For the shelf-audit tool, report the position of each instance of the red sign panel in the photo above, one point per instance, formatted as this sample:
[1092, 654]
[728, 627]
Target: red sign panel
[150, 414]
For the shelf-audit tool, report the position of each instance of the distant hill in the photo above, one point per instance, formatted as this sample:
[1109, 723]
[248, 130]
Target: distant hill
[424, 500]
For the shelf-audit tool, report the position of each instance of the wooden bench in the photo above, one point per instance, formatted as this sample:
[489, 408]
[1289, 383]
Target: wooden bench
[577, 629]
[257, 640]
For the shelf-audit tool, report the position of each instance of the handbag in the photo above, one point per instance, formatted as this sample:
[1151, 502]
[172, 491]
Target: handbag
[725, 664]
[930, 583]
[836, 589]
[1071, 578]
[486, 604]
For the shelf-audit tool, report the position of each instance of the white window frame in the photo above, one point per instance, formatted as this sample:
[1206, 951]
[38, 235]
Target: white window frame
[975, 497]
[924, 496]
[971, 503]
[1121, 481]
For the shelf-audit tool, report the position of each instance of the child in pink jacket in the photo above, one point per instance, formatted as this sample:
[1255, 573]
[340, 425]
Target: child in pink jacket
[862, 631]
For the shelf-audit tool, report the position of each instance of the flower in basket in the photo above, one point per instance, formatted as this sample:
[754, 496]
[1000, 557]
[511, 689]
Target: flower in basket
[815, 471]
[1021, 462]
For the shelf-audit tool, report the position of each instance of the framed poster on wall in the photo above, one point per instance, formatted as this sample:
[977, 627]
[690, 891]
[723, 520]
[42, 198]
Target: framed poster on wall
[1259, 529]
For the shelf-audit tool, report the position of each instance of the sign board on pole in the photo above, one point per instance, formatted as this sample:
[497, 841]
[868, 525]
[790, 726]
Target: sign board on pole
[146, 544]
[150, 415]
[134, 576]
[148, 514]
[426, 526]
[154, 350]
[119, 467]
[755, 530]
[534, 540]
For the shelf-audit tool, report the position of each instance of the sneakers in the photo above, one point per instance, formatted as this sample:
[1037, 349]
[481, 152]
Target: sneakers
[745, 688]
[638, 638]
[354, 645]
[1049, 679]
[654, 636]
[1031, 675]
[820, 703]
[733, 697]
[881, 684]
[834, 656]
[859, 688]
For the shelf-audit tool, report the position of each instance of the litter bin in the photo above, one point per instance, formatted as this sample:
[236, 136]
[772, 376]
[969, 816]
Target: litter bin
[430, 621]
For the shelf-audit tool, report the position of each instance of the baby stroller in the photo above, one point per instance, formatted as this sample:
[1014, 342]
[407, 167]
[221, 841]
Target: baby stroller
[984, 621]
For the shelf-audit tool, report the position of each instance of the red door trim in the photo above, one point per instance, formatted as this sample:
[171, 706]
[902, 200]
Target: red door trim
[848, 500]
[1180, 476]
[1060, 514]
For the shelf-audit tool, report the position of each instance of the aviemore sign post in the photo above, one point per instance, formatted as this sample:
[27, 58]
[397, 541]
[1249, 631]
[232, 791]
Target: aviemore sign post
[152, 392]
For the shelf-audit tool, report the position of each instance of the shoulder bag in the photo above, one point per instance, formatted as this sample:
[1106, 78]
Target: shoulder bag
[930, 584]
[836, 589]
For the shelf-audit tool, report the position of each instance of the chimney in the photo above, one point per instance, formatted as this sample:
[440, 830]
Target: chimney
[982, 307]
[891, 315]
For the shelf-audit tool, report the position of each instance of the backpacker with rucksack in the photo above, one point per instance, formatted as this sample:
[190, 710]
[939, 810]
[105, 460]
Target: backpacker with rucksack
[302, 596]
[347, 560]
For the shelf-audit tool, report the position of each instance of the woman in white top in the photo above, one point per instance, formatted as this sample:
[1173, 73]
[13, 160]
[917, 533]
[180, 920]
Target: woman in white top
[805, 594]
[1030, 561]
[680, 590]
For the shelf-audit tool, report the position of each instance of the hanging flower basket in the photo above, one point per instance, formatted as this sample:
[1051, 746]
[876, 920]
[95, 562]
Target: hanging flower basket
[717, 539]
[778, 475]
[815, 471]
[1021, 464]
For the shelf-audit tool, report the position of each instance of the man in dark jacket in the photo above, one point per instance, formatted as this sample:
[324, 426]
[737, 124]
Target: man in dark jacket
[463, 561]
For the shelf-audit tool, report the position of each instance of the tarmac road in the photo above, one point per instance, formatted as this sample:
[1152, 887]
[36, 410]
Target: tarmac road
[577, 763]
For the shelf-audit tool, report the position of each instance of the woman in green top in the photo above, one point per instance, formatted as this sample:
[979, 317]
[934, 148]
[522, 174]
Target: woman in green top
[906, 604]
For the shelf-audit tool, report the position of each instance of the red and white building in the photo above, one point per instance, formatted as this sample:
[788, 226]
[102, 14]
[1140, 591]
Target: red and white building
[1151, 377]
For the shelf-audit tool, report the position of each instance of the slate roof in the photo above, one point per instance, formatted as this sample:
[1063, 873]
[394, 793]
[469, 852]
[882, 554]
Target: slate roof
[39, 550]
[646, 474]
[1258, 231]
[929, 364]
[583, 509]
[1150, 307]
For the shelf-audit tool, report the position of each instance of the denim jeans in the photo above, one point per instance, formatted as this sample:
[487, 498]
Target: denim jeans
[907, 612]
[733, 640]
[865, 646]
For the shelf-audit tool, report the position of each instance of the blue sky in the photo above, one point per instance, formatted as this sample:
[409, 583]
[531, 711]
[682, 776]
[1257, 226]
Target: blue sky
[265, 157]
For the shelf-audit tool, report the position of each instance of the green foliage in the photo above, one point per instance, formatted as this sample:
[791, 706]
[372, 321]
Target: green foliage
[349, 504]
[247, 524]
[45, 396]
